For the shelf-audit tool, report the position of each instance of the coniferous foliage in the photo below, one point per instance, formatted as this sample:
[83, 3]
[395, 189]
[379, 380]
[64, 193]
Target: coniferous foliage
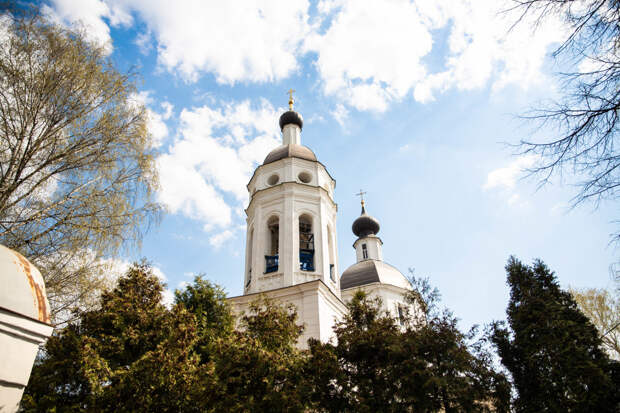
[421, 366]
[214, 320]
[132, 354]
[551, 349]
[258, 369]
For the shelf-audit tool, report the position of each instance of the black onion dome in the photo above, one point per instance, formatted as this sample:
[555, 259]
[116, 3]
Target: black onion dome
[365, 225]
[289, 117]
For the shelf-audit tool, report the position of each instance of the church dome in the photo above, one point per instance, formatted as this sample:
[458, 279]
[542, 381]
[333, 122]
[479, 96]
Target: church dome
[372, 271]
[289, 117]
[292, 150]
[365, 225]
[22, 289]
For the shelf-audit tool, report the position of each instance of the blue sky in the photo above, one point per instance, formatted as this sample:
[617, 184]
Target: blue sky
[414, 102]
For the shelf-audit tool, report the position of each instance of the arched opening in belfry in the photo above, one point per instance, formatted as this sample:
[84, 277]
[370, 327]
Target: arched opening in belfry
[306, 243]
[273, 241]
[249, 259]
[330, 248]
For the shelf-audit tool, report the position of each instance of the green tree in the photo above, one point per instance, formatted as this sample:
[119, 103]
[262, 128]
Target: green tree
[259, 368]
[602, 307]
[207, 302]
[380, 365]
[551, 349]
[77, 172]
[131, 354]
[134, 354]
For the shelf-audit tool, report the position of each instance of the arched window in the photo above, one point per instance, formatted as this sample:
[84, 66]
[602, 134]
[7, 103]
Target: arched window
[306, 243]
[330, 247]
[250, 245]
[273, 237]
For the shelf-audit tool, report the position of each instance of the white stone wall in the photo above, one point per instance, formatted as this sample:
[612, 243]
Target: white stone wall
[318, 308]
[391, 296]
[373, 246]
[288, 198]
[20, 338]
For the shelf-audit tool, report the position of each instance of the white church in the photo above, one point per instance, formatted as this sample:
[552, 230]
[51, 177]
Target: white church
[291, 244]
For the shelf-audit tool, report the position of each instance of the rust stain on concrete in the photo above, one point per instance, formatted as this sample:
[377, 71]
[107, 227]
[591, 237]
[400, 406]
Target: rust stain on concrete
[37, 293]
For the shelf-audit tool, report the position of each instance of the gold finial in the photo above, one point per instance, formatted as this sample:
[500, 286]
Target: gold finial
[290, 99]
[361, 195]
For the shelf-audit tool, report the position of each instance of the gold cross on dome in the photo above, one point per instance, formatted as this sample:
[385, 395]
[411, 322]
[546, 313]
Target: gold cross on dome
[290, 99]
[361, 195]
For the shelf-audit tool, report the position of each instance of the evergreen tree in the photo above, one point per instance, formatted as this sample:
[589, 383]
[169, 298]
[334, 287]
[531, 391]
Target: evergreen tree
[551, 349]
[207, 302]
[131, 354]
[259, 368]
[379, 365]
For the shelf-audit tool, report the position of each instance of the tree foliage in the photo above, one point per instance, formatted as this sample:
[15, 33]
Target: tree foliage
[258, 369]
[586, 117]
[552, 351]
[131, 354]
[76, 167]
[380, 365]
[214, 319]
[602, 307]
[134, 354]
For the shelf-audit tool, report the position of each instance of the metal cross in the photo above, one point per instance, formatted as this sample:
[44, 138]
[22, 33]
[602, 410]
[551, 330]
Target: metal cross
[290, 99]
[361, 195]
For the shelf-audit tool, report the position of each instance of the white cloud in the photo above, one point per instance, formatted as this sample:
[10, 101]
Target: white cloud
[90, 15]
[204, 173]
[144, 41]
[117, 267]
[167, 297]
[168, 108]
[155, 121]
[369, 54]
[505, 179]
[236, 41]
[559, 208]
[372, 52]
[341, 114]
[218, 239]
[507, 176]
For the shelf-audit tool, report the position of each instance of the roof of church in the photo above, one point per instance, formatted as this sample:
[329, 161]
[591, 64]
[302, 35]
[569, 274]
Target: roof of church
[290, 151]
[372, 271]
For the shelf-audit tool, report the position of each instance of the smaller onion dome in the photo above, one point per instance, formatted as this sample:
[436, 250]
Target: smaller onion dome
[290, 116]
[365, 225]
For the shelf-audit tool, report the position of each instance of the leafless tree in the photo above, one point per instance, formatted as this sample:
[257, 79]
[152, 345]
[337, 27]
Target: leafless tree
[586, 116]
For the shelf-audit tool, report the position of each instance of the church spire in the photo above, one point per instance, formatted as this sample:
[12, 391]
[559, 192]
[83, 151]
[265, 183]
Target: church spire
[291, 123]
[290, 99]
[361, 195]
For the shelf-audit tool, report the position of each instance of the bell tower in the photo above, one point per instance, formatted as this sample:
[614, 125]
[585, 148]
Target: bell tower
[291, 217]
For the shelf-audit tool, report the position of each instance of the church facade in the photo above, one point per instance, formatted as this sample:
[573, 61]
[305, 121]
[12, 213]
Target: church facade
[291, 241]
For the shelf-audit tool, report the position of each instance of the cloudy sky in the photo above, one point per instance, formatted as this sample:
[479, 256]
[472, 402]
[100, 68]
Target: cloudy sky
[416, 102]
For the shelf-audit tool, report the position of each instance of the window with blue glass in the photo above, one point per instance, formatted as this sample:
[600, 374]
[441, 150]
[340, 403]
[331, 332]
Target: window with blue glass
[271, 260]
[306, 244]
